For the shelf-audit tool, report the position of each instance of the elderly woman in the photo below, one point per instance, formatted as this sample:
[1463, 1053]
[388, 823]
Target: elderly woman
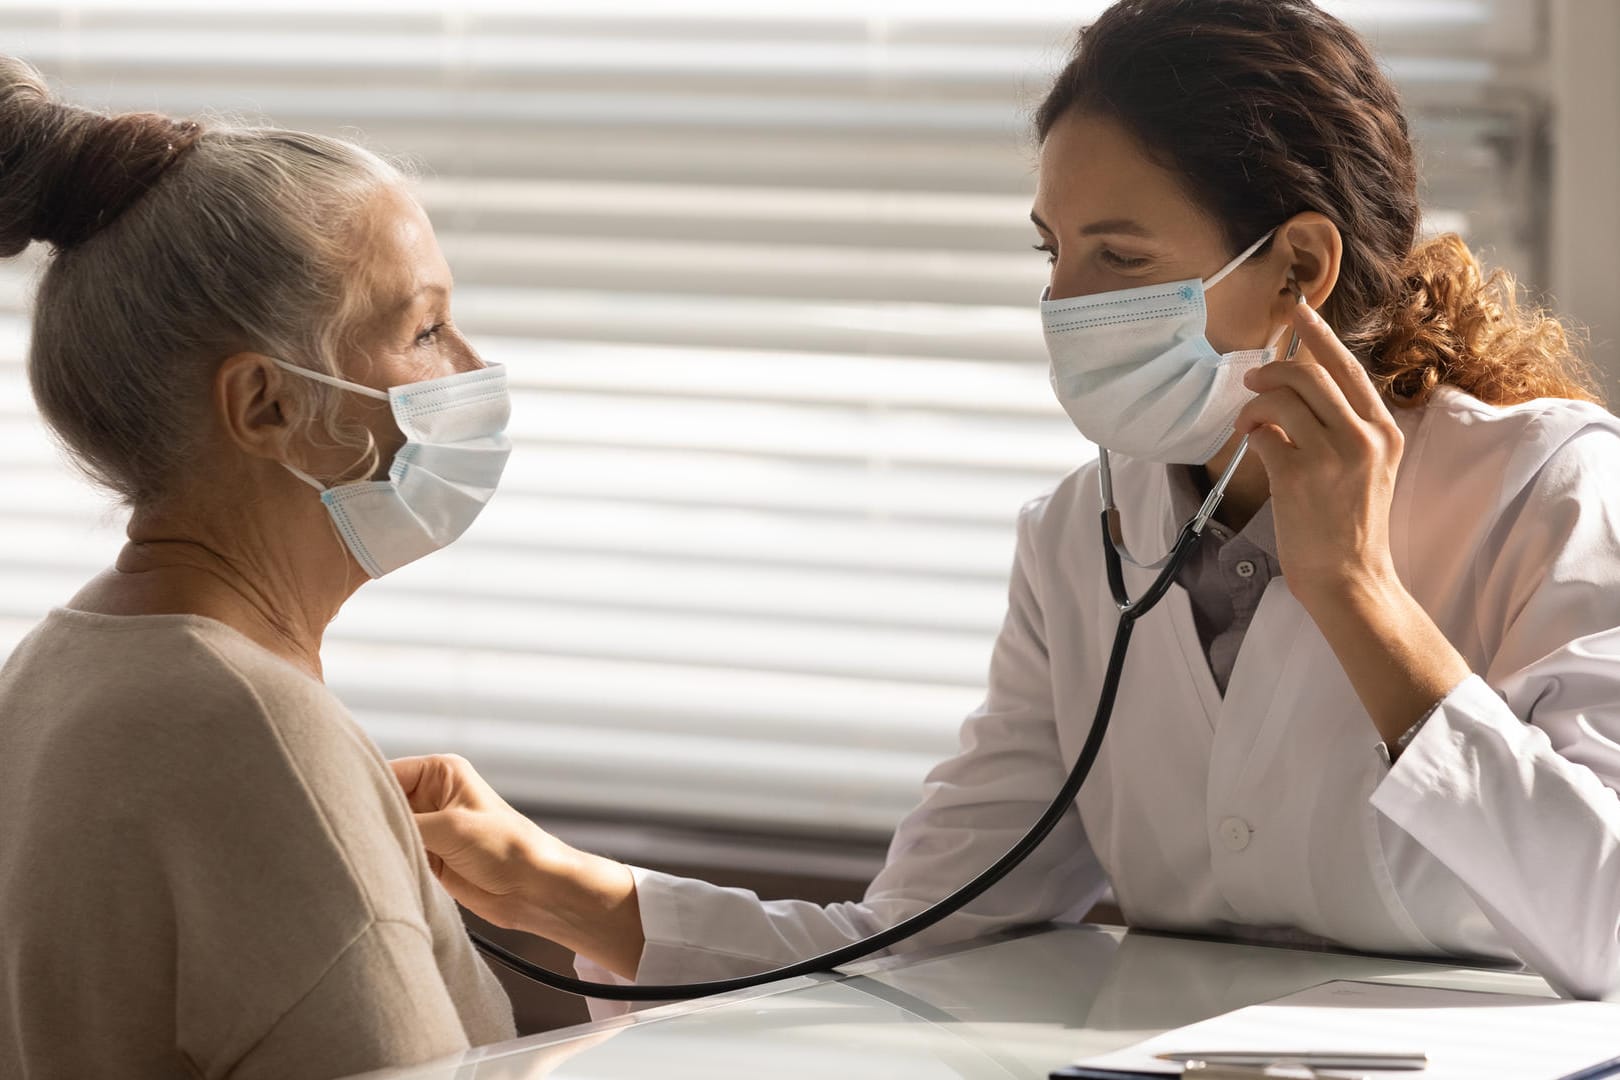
[206, 868]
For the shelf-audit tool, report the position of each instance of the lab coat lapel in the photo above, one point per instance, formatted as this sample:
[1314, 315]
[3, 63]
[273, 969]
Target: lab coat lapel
[1179, 615]
[1150, 525]
[1154, 515]
[1281, 648]
[1148, 519]
[1267, 675]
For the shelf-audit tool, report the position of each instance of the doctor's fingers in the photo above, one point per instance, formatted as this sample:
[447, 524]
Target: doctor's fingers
[453, 834]
[1341, 364]
[484, 858]
[470, 895]
[1355, 438]
[1287, 411]
[437, 781]
[1314, 385]
[1360, 443]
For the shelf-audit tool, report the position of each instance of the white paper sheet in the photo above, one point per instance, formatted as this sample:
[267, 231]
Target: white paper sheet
[1467, 1035]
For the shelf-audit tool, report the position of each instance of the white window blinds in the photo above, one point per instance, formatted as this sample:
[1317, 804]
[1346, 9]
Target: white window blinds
[762, 276]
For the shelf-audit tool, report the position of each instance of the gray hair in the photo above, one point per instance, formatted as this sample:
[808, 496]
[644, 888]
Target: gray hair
[176, 245]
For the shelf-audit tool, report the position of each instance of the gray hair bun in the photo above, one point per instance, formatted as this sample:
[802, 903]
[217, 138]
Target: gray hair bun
[66, 172]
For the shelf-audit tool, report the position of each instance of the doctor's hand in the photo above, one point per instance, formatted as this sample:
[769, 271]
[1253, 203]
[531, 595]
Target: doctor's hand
[1331, 449]
[506, 869]
[479, 848]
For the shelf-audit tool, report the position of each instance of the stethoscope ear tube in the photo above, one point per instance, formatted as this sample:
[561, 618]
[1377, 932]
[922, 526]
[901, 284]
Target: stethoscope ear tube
[1061, 804]
[1129, 612]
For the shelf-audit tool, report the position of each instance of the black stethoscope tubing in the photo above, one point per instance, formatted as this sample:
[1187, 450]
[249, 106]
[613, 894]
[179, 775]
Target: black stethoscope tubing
[1129, 612]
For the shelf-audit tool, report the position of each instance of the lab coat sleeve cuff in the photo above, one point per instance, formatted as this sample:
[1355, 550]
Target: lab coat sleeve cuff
[657, 895]
[696, 931]
[591, 971]
[1434, 768]
[1381, 748]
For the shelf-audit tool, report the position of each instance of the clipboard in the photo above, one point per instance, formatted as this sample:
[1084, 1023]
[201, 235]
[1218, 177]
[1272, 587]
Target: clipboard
[1467, 1034]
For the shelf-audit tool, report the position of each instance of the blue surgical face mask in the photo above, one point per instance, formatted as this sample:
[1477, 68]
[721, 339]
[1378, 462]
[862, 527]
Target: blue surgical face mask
[455, 450]
[1136, 374]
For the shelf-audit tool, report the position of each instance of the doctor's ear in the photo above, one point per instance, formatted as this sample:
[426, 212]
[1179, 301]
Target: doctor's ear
[256, 404]
[1310, 247]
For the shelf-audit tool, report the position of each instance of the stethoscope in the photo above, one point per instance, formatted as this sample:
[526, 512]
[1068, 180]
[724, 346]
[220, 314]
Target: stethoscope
[1129, 612]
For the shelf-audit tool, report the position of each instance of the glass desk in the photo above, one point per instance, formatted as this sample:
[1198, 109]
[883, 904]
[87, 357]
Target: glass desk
[1014, 1006]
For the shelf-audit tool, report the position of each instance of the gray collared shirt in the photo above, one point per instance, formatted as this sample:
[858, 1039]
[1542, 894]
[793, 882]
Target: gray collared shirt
[1226, 574]
[1225, 578]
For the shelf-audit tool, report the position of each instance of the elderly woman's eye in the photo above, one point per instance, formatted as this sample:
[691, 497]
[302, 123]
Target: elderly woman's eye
[430, 335]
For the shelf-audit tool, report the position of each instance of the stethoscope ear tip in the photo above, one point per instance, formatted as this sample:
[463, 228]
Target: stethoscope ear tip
[1299, 301]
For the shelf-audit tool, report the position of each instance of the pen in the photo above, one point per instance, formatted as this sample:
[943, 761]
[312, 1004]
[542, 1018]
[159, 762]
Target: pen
[1316, 1059]
[1204, 1071]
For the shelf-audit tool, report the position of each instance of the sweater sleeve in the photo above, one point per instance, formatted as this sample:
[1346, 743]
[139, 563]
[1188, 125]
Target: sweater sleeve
[382, 1003]
[301, 895]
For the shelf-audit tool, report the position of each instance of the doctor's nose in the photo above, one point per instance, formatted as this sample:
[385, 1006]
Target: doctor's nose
[1066, 282]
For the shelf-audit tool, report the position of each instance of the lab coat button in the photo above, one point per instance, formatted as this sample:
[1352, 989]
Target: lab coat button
[1235, 833]
[1245, 569]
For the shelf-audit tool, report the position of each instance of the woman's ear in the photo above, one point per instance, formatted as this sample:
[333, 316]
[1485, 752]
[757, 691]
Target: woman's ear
[254, 407]
[1313, 249]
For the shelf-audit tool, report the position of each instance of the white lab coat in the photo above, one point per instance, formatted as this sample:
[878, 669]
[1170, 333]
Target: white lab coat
[1496, 834]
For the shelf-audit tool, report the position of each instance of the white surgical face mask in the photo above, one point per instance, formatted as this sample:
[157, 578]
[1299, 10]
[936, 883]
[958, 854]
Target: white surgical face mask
[455, 449]
[1136, 374]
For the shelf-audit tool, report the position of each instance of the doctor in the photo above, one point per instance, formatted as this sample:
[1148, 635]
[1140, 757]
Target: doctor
[1382, 709]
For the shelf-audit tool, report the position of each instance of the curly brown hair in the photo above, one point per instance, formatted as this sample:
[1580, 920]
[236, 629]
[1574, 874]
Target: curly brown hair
[1268, 108]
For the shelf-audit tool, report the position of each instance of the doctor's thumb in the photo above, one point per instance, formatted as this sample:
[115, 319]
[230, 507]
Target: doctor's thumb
[409, 773]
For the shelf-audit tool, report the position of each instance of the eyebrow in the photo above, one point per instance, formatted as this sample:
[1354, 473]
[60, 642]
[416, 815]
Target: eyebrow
[404, 303]
[1115, 226]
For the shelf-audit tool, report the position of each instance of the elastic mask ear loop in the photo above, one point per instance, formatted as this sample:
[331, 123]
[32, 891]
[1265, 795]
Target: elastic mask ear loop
[331, 380]
[1243, 257]
[1276, 336]
[305, 477]
[341, 384]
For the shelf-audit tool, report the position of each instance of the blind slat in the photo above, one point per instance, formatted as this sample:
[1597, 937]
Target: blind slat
[760, 275]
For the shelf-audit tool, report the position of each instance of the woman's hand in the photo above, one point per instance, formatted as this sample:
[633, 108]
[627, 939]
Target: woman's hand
[1331, 450]
[482, 851]
[505, 868]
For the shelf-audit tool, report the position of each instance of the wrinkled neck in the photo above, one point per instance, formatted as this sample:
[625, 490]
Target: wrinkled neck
[279, 585]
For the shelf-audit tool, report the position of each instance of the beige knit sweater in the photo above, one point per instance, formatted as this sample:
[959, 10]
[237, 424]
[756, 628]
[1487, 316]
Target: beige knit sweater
[207, 870]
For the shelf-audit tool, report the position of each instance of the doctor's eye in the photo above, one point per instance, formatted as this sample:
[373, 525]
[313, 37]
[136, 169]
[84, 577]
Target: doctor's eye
[1050, 252]
[1122, 262]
